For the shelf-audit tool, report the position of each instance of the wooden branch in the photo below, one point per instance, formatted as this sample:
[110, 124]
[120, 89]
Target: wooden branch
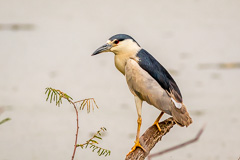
[150, 138]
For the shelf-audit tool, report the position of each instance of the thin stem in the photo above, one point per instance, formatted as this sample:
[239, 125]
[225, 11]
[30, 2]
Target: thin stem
[75, 145]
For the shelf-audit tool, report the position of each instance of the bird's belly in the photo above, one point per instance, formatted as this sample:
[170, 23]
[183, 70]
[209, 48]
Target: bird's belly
[147, 88]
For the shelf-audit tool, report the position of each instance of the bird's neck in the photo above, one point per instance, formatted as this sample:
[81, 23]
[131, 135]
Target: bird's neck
[121, 59]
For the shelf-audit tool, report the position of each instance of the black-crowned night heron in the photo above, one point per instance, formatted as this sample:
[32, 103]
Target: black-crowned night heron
[147, 79]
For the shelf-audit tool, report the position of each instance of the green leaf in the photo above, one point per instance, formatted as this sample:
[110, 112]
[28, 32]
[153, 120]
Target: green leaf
[48, 95]
[4, 120]
[97, 137]
[93, 141]
[51, 97]
[101, 153]
[46, 90]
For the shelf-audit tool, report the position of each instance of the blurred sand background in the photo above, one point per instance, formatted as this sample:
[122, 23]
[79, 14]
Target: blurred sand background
[49, 43]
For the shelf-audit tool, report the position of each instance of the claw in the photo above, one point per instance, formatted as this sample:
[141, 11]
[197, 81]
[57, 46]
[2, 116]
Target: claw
[137, 144]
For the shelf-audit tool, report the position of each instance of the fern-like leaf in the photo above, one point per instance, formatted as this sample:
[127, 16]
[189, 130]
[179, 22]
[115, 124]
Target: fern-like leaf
[89, 103]
[92, 143]
[56, 95]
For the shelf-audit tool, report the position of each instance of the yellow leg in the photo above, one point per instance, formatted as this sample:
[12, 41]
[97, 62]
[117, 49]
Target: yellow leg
[157, 120]
[137, 144]
[138, 102]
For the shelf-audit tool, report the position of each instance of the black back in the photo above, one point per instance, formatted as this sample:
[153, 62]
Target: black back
[159, 73]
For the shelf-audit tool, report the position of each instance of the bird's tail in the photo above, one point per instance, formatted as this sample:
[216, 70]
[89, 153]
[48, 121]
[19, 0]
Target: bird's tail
[181, 116]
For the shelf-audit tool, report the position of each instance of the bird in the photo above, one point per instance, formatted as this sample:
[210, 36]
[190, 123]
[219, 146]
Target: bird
[147, 80]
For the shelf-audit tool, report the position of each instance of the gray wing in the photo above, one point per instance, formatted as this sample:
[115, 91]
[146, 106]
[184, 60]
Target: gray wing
[143, 85]
[159, 73]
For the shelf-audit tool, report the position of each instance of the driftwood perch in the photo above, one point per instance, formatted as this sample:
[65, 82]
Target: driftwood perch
[150, 138]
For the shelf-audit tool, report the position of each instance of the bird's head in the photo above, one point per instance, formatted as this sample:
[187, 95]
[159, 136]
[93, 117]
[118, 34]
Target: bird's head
[119, 44]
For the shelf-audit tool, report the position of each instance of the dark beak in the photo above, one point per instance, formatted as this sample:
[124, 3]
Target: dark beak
[105, 48]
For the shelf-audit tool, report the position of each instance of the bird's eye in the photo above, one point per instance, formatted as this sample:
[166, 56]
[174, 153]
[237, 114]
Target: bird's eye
[116, 41]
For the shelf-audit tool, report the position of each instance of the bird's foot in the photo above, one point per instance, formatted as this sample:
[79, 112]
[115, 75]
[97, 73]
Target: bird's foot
[158, 127]
[157, 120]
[137, 144]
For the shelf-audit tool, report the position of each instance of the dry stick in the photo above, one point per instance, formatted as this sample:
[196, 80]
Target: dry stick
[149, 139]
[178, 146]
[75, 145]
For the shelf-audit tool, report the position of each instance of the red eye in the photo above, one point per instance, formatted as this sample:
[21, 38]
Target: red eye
[116, 41]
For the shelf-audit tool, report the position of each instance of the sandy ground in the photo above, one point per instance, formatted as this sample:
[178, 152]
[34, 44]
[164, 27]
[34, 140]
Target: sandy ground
[49, 43]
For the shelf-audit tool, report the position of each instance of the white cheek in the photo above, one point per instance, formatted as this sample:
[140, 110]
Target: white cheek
[126, 47]
[117, 49]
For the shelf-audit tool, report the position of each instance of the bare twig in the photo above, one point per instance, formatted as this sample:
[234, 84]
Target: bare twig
[178, 146]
